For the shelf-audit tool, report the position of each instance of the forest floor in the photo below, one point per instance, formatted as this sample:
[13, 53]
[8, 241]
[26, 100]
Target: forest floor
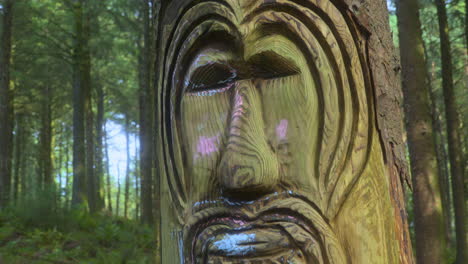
[66, 237]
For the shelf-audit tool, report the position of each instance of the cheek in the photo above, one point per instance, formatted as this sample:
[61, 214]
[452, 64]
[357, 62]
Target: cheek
[290, 112]
[204, 120]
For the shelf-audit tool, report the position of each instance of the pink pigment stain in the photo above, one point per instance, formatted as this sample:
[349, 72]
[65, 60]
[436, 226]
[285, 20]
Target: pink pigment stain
[207, 145]
[282, 129]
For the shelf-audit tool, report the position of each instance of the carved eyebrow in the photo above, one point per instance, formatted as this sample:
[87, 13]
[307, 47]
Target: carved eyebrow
[270, 65]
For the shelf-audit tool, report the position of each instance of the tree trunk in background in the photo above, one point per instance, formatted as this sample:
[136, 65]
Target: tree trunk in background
[46, 179]
[442, 160]
[117, 199]
[89, 126]
[59, 165]
[127, 170]
[146, 120]
[108, 181]
[67, 172]
[79, 87]
[99, 148]
[454, 141]
[6, 106]
[466, 24]
[137, 180]
[429, 225]
[19, 159]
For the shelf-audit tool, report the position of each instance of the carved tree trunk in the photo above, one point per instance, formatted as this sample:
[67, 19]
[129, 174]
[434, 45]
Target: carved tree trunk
[454, 140]
[280, 131]
[429, 221]
[6, 107]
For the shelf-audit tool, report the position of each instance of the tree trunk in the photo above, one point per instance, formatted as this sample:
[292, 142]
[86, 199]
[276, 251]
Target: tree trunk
[108, 180]
[59, 164]
[19, 159]
[137, 180]
[146, 121]
[454, 141]
[89, 126]
[117, 199]
[99, 147]
[429, 225]
[46, 179]
[127, 170]
[6, 104]
[79, 93]
[67, 172]
[442, 160]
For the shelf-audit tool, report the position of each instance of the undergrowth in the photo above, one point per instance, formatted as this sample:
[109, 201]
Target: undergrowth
[33, 231]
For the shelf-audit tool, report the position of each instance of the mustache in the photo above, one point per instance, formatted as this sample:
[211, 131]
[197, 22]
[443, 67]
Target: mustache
[283, 210]
[288, 201]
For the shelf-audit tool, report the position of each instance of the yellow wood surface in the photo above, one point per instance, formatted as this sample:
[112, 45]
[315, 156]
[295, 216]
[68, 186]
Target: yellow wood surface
[270, 150]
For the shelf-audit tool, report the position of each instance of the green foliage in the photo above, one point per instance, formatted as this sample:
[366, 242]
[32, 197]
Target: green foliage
[72, 237]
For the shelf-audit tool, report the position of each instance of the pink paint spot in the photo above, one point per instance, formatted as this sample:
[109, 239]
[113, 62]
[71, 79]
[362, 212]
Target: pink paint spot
[282, 129]
[207, 145]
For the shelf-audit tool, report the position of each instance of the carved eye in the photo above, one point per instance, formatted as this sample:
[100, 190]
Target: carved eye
[211, 78]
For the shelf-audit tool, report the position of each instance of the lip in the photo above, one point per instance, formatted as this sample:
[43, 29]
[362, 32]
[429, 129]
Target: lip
[249, 243]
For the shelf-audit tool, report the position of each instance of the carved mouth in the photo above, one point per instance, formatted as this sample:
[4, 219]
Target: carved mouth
[253, 241]
[283, 230]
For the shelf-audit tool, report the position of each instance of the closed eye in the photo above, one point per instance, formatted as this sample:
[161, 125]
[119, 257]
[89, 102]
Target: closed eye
[211, 78]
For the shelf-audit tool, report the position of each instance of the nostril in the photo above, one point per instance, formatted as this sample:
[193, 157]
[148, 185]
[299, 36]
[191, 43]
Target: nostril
[245, 195]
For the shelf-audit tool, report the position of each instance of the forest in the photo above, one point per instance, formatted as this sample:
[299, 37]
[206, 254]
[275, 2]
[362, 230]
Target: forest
[78, 182]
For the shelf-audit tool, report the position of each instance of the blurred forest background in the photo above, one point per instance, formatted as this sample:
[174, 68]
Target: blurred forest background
[76, 128]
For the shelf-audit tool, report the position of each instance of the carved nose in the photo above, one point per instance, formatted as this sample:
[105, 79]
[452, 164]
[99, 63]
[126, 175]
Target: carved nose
[248, 164]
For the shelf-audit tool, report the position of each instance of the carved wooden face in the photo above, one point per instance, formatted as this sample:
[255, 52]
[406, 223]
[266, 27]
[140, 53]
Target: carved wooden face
[267, 128]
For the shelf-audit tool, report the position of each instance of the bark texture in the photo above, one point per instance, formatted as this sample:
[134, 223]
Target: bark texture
[429, 227]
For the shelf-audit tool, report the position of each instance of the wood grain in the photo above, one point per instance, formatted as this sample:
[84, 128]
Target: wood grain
[267, 131]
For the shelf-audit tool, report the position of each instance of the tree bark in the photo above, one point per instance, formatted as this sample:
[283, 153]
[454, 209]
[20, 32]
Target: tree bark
[6, 105]
[454, 141]
[429, 227]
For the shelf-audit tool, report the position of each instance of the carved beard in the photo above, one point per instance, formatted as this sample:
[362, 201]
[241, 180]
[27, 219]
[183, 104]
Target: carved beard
[279, 228]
